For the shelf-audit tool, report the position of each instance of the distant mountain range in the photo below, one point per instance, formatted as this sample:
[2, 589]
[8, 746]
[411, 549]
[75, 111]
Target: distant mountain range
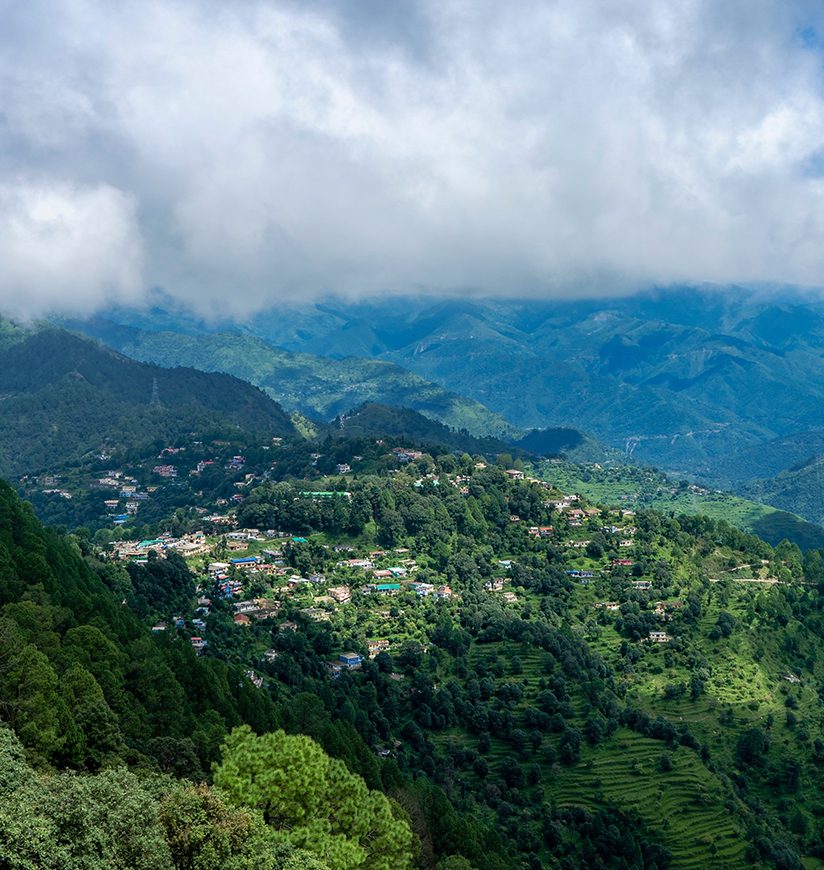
[695, 380]
[721, 385]
[319, 387]
[62, 396]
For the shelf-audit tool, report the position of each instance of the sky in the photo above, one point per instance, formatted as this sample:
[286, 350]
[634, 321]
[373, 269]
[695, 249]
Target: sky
[235, 155]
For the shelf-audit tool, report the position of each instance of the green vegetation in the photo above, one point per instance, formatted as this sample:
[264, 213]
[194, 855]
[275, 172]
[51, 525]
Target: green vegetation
[380, 421]
[119, 820]
[519, 677]
[316, 387]
[64, 397]
[313, 801]
[800, 489]
[633, 487]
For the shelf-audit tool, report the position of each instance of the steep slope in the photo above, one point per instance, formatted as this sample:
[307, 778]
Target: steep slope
[63, 395]
[661, 669]
[800, 488]
[313, 385]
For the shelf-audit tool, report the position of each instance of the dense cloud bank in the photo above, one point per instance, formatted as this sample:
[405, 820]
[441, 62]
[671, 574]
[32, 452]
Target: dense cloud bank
[236, 154]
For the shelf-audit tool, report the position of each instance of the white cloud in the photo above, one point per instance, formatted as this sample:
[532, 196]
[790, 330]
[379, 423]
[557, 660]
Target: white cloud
[68, 248]
[265, 150]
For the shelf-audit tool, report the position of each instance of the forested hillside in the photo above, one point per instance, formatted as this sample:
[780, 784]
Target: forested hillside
[801, 487]
[576, 661]
[135, 721]
[62, 397]
[306, 382]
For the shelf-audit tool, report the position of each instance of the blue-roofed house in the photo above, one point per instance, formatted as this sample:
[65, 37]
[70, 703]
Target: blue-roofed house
[350, 659]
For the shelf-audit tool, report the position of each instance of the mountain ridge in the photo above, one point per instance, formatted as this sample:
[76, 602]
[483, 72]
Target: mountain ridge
[64, 395]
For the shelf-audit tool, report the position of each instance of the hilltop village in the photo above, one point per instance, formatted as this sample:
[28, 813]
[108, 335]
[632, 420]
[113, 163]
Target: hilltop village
[255, 570]
[534, 652]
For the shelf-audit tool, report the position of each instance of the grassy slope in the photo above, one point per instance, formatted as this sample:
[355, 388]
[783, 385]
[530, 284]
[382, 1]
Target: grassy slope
[801, 489]
[633, 487]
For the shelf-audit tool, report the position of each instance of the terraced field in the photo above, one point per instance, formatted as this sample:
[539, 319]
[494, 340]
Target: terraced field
[685, 807]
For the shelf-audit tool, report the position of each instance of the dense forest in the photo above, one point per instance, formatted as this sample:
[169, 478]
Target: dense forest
[65, 397]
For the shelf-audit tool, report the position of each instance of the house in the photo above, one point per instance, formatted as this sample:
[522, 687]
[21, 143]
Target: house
[662, 608]
[659, 637]
[443, 592]
[514, 474]
[265, 608]
[510, 597]
[607, 605]
[343, 468]
[255, 679]
[422, 589]
[376, 647]
[385, 588]
[246, 562]
[192, 548]
[287, 626]
[351, 660]
[494, 585]
[622, 563]
[364, 564]
[241, 619]
[341, 594]
[404, 454]
[316, 614]
[642, 585]
[234, 545]
[165, 470]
